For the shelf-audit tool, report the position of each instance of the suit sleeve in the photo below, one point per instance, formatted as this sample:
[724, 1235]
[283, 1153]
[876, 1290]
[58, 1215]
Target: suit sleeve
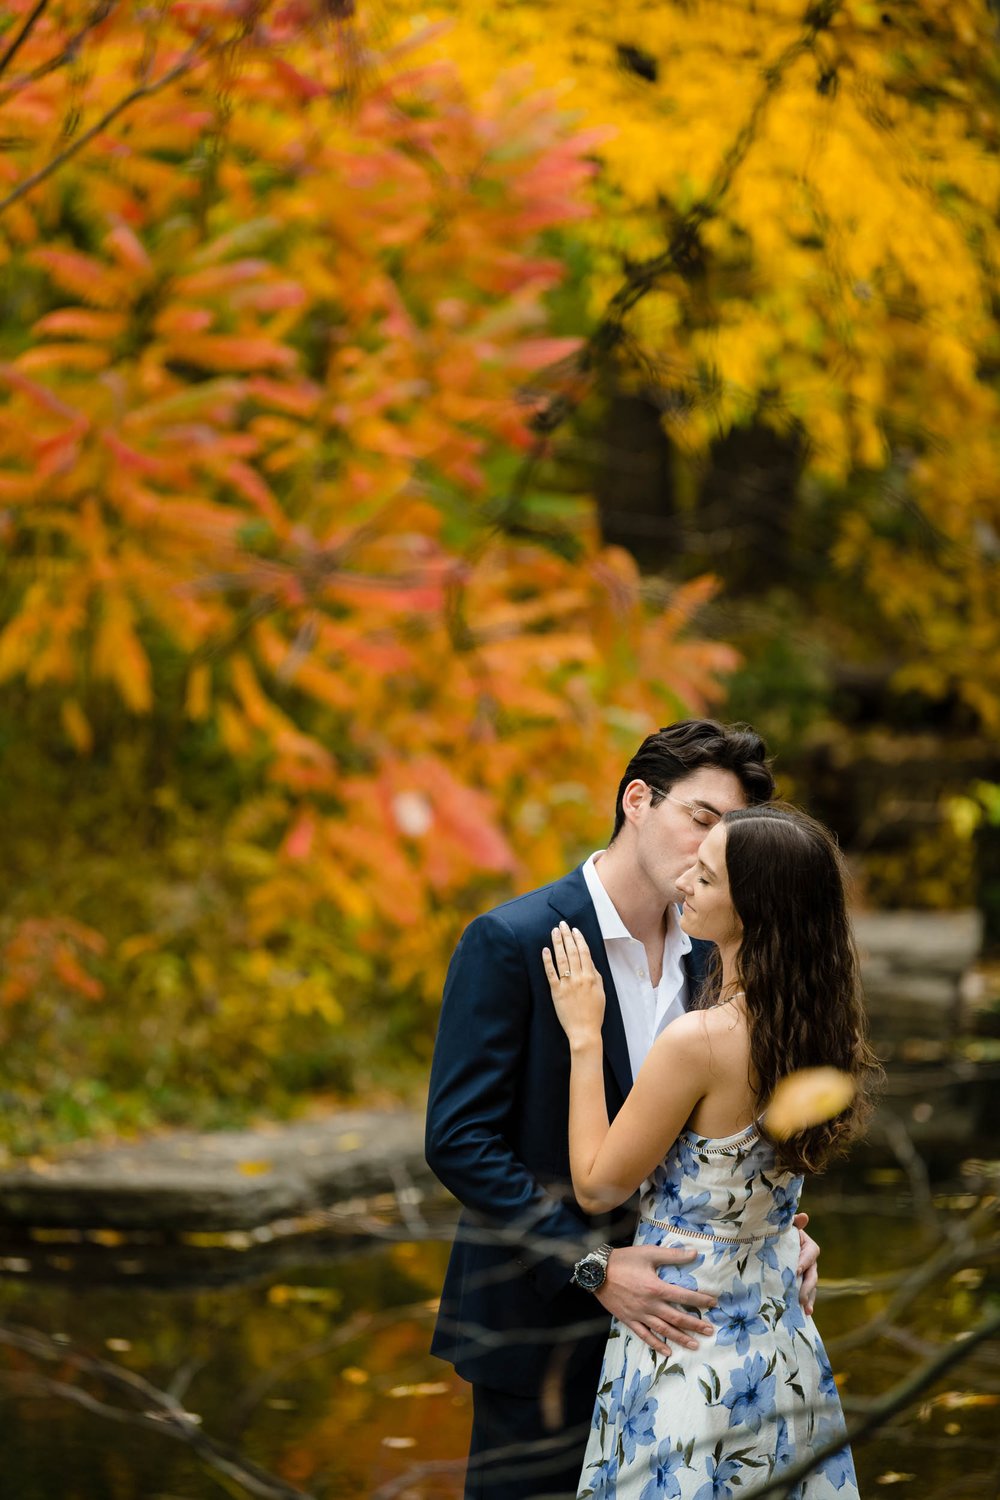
[474, 1094]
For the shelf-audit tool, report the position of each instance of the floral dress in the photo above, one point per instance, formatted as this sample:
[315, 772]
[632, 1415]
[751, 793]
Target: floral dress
[717, 1422]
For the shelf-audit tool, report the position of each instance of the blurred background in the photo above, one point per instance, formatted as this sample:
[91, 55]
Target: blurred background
[403, 409]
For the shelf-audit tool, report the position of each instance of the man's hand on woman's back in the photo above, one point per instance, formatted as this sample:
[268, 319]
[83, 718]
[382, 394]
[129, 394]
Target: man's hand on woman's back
[635, 1295]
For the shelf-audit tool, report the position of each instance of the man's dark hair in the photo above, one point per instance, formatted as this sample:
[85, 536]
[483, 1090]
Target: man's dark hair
[666, 757]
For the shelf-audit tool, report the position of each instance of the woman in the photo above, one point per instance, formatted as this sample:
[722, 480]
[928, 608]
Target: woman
[768, 889]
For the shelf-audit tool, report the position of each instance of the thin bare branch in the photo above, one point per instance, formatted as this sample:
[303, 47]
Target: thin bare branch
[99, 14]
[18, 41]
[195, 55]
[158, 1411]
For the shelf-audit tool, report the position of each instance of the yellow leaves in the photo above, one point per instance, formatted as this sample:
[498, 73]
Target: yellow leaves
[805, 1098]
[119, 656]
[76, 725]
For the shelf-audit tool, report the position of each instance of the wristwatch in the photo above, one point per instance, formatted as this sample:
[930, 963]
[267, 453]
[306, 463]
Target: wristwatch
[589, 1273]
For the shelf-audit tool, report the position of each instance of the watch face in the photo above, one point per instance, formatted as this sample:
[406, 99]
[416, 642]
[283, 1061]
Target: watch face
[590, 1273]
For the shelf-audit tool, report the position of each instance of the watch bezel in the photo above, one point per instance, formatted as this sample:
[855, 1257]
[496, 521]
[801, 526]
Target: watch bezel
[590, 1272]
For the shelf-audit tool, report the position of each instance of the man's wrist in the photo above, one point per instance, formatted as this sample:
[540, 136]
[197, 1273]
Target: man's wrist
[591, 1270]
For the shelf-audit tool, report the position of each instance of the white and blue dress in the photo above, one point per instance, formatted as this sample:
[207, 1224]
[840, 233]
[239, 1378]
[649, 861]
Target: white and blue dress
[717, 1422]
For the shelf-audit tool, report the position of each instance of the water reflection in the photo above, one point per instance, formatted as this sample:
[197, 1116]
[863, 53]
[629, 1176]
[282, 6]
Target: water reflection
[316, 1367]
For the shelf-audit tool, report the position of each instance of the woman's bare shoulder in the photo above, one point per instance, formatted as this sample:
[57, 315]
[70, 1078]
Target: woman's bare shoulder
[714, 1036]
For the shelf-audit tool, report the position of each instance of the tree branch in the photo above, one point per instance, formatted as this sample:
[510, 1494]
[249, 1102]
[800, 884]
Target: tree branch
[640, 279]
[188, 62]
[22, 36]
[161, 1413]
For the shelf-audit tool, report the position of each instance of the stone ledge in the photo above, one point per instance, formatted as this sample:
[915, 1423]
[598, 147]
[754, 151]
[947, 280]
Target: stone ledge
[227, 1180]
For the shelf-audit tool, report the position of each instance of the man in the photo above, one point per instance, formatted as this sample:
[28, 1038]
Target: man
[532, 1281]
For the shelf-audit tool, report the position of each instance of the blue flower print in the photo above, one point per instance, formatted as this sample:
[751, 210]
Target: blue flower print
[784, 1457]
[839, 1467]
[669, 1193]
[681, 1275]
[663, 1464]
[687, 1155]
[638, 1417]
[690, 1212]
[719, 1474]
[768, 1256]
[614, 1398]
[737, 1316]
[784, 1452]
[827, 1384]
[786, 1201]
[793, 1317]
[721, 1251]
[604, 1477]
[751, 1394]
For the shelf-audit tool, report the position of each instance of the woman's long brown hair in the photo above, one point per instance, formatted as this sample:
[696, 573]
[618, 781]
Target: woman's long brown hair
[798, 968]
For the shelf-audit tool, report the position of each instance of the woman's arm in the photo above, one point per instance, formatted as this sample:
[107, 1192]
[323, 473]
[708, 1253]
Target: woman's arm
[609, 1162]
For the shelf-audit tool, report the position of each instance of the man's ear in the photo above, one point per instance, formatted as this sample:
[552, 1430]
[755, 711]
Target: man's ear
[634, 798]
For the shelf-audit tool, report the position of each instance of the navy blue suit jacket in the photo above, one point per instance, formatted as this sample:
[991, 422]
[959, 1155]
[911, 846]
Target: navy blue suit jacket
[498, 1138]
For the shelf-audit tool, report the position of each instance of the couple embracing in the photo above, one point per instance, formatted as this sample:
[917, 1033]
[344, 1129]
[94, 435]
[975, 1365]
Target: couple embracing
[630, 1291]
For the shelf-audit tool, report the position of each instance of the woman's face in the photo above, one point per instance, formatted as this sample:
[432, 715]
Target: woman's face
[708, 910]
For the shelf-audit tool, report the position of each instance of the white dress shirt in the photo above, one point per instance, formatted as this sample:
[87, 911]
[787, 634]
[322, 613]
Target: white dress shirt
[645, 1010]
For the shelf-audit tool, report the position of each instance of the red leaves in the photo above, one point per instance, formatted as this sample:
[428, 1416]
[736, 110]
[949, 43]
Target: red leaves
[42, 951]
[243, 455]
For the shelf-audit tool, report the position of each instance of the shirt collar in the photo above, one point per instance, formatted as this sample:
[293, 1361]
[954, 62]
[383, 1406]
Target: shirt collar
[608, 920]
[676, 941]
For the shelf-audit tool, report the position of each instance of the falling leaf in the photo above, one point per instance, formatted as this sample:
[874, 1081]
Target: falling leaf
[892, 1477]
[399, 1442]
[255, 1168]
[805, 1098]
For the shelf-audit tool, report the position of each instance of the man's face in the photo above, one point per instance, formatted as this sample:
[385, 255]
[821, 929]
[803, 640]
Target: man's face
[669, 835]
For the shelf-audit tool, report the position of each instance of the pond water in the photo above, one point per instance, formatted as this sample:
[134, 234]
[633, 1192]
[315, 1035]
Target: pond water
[314, 1363]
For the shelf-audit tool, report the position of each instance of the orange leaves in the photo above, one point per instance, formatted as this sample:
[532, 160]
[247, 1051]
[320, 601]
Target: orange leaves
[83, 276]
[42, 952]
[264, 370]
[221, 352]
[77, 323]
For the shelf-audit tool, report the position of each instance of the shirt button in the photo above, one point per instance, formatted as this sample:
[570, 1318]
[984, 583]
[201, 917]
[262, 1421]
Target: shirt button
[642, 973]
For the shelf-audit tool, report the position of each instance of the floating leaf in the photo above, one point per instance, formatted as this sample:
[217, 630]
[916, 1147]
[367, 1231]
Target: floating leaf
[805, 1098]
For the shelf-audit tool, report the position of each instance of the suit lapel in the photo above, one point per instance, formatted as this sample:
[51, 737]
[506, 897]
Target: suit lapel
[571, 899]
[697, 964]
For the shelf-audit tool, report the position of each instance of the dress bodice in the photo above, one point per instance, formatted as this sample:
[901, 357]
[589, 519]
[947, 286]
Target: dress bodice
[725, 1188]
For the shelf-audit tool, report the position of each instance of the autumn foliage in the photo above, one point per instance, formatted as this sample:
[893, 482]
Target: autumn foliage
[798, 229]
[288, 695]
